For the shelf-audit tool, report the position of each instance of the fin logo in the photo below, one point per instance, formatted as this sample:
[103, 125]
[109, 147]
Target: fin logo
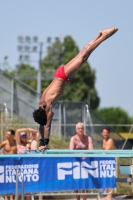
[77, 170]
[1, 174]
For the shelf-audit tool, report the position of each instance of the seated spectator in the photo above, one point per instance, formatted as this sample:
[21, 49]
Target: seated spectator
[9, 146]
[23, 143]
[80, 141]
[108, 144]
[21, 138]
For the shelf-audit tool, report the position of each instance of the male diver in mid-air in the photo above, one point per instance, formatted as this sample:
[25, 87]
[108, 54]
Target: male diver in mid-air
[53, 92]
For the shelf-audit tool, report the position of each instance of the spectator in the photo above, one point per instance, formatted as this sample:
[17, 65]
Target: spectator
[80, 141]
[9, 146]
[21, 138]
[108, 144]
[22, 143]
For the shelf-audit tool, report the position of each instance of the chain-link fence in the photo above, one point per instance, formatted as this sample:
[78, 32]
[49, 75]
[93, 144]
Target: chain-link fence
[19, 98]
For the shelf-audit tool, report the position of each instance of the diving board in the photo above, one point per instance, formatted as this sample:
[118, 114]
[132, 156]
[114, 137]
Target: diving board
[73, 153]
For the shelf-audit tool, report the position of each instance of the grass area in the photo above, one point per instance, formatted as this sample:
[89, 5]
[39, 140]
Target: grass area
[123, 188]
[55, 143]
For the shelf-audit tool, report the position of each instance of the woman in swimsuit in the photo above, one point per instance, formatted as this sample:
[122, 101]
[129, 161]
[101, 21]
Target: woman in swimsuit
[21, 139]
[22, 143]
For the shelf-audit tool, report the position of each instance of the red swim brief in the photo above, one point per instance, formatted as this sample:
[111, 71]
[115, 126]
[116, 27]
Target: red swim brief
[59, 73]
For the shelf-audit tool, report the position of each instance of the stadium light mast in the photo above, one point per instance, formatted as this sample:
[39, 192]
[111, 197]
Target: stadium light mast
[39, 76]
[27, 46]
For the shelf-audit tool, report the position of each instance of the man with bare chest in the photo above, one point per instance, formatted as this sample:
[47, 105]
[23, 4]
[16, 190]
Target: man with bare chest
[108, 144]
[80, 141]
[63, 74]
[10, 147]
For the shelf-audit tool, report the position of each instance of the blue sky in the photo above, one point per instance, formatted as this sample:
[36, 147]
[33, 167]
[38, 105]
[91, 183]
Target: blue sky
[112, 60]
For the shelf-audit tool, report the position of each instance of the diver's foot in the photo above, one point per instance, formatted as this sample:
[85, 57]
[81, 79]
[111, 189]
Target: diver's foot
[43, 144]
[105, 34]
[42, 148]
[99, 35]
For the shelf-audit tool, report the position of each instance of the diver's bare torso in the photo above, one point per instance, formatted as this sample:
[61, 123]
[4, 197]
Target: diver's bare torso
[52, 93]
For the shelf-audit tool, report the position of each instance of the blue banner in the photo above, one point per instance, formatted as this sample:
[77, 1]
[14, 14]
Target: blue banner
[47, 174]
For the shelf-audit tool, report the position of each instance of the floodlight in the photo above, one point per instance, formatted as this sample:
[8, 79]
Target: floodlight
[48, 39]
[20, 38]
[27, 48]
[35, 39]
[27, 39]
[34, 48]
[20, 48]
[26, 57]
[6, 57]
[57, 39]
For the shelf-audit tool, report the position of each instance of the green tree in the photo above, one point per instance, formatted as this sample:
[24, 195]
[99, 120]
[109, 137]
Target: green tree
[26, 74]
[82, 83]
[115, 116]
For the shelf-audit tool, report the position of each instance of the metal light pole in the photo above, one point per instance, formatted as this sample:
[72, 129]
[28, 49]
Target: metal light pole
[28, 46]
[39, 77]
